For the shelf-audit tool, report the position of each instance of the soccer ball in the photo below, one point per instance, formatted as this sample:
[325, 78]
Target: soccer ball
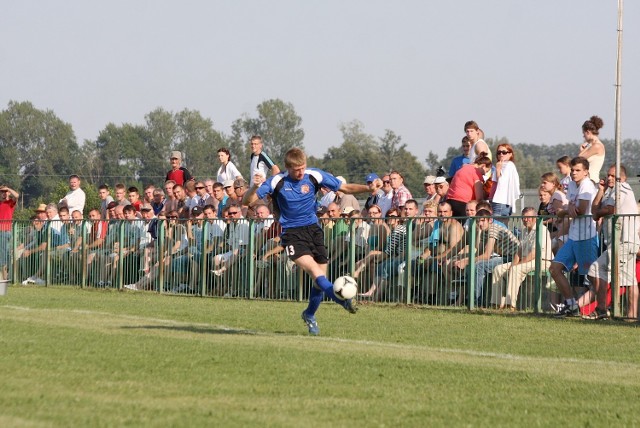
[345, 287]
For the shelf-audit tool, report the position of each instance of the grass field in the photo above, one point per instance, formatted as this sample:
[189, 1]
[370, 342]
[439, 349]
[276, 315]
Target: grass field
[73, 357]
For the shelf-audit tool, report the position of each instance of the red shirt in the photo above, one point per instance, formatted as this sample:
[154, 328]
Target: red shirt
[462, 187]
[7, 207]
[180, 175]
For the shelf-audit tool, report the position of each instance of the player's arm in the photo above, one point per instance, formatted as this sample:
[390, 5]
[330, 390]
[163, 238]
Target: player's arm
[251, 196]
[353, 188]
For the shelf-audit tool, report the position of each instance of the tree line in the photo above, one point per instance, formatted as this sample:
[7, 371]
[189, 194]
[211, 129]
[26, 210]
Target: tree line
[39, 150]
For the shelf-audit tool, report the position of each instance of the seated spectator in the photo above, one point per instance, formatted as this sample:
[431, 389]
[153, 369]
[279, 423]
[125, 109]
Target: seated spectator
[524, 261]
[387, 263]
[237, 239]
[345, 200]
[495, 245]
[134, 198]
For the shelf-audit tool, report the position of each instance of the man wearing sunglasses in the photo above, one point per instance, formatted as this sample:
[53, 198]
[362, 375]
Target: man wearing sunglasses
[294, 194]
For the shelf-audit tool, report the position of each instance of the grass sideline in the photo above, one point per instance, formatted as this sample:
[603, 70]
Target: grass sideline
[72, 357]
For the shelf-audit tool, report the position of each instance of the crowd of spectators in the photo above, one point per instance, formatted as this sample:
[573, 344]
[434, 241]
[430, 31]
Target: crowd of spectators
[192, 231]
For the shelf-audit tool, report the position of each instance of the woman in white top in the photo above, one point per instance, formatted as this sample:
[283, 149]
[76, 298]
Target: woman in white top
[592, 148]
[506, 190]
[227, 170]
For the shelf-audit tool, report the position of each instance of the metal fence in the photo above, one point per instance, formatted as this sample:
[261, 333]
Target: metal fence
[422, 261]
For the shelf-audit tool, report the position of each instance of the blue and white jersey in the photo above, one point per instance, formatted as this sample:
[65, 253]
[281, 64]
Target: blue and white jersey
[296, 200]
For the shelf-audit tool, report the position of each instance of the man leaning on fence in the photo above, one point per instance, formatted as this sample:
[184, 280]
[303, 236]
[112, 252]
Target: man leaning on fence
[600, 271]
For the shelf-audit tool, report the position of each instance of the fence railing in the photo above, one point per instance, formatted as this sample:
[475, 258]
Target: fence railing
[424, 261]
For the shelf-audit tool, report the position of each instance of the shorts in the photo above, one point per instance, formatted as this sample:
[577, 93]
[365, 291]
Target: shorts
[583, 252]
[601, 268]
[305, 241]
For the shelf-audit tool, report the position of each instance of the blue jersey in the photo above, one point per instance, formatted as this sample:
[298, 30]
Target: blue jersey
[297, 199]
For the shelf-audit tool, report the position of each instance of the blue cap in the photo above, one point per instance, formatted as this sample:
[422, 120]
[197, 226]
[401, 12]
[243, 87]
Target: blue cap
[369, 178]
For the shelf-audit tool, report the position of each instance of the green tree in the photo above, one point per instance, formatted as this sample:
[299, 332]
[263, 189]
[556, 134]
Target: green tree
[197, 138]
[277, 123]
[37, 149]
[120, 150]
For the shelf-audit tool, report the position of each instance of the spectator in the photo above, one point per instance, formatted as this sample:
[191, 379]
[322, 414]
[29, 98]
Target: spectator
[506, 190]
[208, 183]
[148, 194]
[105, 200]
[229, 190]
[202, 198]
[559, 227]
[463, 159]
[478, 146]
[430, 188]
[600, 271]
[524, 261]
[134, 198]
[495, 245]
[221, 197]
[442, 246]
[32, 252]
[227, 169]
[158, 201]
[376, 192]
[385, 202]
[391, 257]
[582, 245]
[121, 194]
[261, 163]
[178, 173]
[238, 238]
[327, 197]
[467, 185]
[75, 197]
[400, 193]
[190, 200]
[170, 203]
[442, 188]
[592, 149]
[564, 168]
[8, 201]
[181, 201]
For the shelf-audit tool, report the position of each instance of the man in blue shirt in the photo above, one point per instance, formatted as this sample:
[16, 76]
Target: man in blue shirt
[293, 193]
[463, 159]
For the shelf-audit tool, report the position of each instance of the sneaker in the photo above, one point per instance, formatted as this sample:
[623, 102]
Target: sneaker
[133, 287]
[38, 281]
[350, 306]
[597, 315]
[568, 311]
[311, 322]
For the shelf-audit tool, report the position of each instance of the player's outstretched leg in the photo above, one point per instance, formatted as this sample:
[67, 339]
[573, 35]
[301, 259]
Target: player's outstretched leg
[327, 287]
[308, 315]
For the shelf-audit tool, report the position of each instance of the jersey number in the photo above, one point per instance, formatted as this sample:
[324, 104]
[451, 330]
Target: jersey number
[290, 250]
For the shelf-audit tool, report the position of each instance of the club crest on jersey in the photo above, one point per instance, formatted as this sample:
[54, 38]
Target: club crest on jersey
[305, 188]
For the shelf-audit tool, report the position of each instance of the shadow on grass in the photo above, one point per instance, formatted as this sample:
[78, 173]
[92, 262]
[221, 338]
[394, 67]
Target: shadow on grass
[192, 329]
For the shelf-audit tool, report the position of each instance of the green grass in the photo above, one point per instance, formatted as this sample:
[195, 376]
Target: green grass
[71, 357]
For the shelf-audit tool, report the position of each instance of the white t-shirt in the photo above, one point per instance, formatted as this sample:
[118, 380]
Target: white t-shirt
[75, 200]
[626, 206]
[228, 172]
[582, 227]
[508, 186]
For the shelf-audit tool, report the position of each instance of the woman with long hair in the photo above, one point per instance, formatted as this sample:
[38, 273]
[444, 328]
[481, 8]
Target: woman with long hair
[506, 190]
[227, 170]
[592, 148]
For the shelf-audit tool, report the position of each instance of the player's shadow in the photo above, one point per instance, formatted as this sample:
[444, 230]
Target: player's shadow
[191, 329]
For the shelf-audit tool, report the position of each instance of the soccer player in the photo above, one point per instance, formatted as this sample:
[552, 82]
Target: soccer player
[293, 193]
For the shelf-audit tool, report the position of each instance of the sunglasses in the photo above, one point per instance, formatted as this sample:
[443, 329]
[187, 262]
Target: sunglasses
[386, 181]
[233, 212]
[503, 152]
[200, 187]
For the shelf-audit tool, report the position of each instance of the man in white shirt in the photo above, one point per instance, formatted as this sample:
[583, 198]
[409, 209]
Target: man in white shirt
[75, 197]
[582, 245]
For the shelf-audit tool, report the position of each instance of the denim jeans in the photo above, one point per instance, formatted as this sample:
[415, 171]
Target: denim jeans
[483, 267]
[500, 210]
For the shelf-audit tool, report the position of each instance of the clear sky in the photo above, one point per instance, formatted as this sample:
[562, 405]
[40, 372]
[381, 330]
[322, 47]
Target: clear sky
[531, 71]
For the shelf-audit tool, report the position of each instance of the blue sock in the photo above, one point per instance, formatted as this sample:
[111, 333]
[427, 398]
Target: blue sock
[315, 298]
[327, 287]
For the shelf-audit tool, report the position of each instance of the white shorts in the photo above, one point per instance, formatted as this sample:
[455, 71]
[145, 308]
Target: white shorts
[601, 268]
